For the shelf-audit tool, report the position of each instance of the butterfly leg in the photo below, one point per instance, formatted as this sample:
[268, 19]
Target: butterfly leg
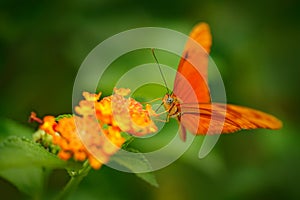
[163, 120]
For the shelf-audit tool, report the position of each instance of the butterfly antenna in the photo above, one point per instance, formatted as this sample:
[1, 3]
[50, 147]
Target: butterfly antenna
[161, 73]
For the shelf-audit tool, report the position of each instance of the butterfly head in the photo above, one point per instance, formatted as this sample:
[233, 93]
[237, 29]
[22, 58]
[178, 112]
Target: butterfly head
[169, 100]
[171, 104]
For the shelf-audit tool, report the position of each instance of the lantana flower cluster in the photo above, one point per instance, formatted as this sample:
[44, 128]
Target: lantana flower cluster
[94, 133]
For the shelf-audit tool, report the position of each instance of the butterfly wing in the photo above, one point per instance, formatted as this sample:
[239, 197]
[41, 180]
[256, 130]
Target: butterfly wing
[190, 84]
[198, 115]
[218, 118]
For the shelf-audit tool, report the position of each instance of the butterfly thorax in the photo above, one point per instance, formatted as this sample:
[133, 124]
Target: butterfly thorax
[172, 105]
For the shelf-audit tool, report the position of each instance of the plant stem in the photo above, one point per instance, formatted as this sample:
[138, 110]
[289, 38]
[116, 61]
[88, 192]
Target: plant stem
[74, 182]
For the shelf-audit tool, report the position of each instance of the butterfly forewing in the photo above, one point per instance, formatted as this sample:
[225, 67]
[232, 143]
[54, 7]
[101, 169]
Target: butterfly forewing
[192, 70]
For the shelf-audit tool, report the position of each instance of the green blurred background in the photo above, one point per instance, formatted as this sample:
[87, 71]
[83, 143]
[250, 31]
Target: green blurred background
[255, 46]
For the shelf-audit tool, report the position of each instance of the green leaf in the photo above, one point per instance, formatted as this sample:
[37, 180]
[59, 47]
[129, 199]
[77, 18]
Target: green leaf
[149, 177]
[59, 117]
[135, 164]
[25, 163]
[29, 180]
[16, 152]
[9, 127]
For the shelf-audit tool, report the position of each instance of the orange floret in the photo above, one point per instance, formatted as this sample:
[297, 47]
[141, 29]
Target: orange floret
[95, 133]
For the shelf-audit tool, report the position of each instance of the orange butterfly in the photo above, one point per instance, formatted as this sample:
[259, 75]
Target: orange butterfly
[190, 101]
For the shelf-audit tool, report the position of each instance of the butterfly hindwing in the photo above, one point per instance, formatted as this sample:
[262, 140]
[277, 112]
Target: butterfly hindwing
[215, 118]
